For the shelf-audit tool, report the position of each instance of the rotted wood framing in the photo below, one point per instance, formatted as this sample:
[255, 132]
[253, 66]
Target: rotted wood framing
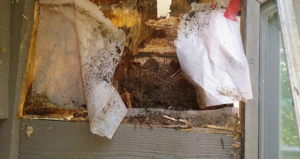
[250, 32]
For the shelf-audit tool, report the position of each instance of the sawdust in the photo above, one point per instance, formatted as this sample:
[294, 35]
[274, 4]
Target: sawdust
[237, 144]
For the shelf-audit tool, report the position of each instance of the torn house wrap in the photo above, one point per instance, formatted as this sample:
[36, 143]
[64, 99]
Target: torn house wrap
[101, 47]
[57, 72]
[74, 33]
[211, 55]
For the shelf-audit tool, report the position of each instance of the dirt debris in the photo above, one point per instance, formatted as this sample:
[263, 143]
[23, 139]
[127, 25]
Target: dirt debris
[151, 120]
[150, 86]
[39, 107]
[236, 144]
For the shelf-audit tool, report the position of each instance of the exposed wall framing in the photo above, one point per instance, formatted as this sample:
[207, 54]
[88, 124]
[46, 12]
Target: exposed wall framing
[163, 141]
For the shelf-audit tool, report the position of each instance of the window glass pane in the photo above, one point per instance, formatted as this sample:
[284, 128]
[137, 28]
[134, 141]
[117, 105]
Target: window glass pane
[289, 146]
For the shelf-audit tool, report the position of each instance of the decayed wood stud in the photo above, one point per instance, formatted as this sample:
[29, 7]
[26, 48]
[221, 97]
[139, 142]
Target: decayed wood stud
[291, 41]
[30, 64]
[250, 33]
[19, 42]
[51, 139]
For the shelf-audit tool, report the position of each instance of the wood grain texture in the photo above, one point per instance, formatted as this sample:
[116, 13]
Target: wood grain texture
[52, 139]
[250, 32]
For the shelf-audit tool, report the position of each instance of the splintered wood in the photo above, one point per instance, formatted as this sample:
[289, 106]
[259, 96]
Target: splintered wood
[126, 97]
[149, 67]
[162, 45]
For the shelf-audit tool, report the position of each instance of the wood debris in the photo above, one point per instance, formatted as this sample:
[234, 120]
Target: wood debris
[126, 97]
[237, 144]
[157, 45]
[29, 131]
[165, 24]
[187, 122]
[24, 17]
[227, 124]
[176, 73]
[218, 127]
[175, 126]
[170, 118]
[161, 44]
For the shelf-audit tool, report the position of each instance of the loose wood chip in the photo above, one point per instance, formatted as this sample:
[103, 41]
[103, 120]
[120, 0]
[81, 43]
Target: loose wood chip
[181, 120]
[29, 131]
[184, 121]
[24, 17]
[226, 125]
[170, 118]
[176, 73]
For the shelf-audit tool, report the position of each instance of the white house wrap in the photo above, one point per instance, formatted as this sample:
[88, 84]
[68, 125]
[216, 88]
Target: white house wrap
[211, 55]
[101, 47]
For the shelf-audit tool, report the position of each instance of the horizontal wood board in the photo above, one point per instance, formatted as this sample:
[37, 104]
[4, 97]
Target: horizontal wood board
[57, 139]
